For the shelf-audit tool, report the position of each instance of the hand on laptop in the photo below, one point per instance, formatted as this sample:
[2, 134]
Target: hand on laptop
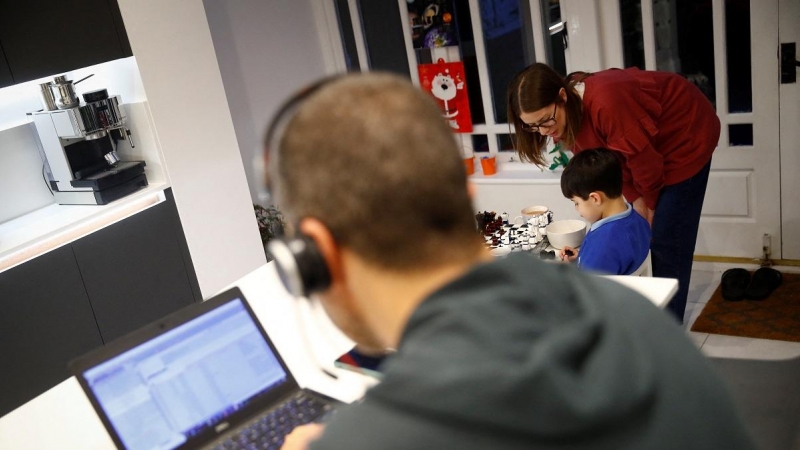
[303, 435]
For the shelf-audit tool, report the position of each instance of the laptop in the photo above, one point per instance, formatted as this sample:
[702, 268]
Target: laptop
[206, 376]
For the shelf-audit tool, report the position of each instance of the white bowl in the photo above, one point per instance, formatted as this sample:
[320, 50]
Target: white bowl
[566, 233]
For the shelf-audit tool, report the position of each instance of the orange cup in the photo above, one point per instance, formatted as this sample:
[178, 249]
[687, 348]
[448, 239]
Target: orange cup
[489, 165]
[469, 165]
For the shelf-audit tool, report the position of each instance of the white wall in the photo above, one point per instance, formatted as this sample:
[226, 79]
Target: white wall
[179, 69]
[266, 50]
[22, 188]
[511, 196]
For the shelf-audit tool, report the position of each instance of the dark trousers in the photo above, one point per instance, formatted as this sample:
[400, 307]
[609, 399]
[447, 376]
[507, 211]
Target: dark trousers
[675, 224]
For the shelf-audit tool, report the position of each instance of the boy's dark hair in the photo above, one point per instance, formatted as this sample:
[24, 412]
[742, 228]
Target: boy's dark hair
[591, 171]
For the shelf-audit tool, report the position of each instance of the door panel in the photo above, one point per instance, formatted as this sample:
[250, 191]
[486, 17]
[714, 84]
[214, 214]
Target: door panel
[46, 322]
[48, 37]
[738, 186]
[134, 271]
[5, 72]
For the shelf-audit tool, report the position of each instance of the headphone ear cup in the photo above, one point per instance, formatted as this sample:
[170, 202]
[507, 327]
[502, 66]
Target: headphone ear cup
[300, 265]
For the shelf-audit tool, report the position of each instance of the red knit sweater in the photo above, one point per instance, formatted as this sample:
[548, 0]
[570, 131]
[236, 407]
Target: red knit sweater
[661, 126]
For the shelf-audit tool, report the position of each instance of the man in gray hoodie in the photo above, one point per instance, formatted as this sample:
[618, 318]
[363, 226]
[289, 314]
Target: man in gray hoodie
[490, 354]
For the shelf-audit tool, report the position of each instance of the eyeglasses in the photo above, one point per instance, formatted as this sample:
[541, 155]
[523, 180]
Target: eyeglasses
[534, 128]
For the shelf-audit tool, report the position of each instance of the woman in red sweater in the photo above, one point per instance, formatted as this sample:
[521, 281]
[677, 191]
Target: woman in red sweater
[658, 124]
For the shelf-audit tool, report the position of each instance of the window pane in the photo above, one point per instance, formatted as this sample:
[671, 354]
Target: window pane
[684, 35]
[740, 134]
[737, 42]
[444, 27]
[630, 12]
[480, 143]
[504, 143]
[551, 15]
[509, 46]
[348, 39]
[383, 33]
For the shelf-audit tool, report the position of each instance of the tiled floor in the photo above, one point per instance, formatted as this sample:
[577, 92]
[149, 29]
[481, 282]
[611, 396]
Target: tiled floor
[705, 279]
[765, 391]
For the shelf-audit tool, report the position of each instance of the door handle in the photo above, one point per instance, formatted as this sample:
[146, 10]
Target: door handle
[789, 63]
[560, 28]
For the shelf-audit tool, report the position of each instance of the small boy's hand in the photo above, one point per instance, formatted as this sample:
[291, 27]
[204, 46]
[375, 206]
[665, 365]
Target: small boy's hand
[568, 254]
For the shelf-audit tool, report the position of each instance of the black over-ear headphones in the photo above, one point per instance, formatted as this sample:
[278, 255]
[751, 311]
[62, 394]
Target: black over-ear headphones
[301, 267]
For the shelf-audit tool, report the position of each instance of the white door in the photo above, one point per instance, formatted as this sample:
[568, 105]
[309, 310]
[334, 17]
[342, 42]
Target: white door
[742, 202]
[789, 33]
[740, 75]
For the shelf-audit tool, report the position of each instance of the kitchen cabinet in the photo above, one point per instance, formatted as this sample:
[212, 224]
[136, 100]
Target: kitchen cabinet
[5, 72]
[46, 320]
[134, 271]
[77, 297]
[48, 37]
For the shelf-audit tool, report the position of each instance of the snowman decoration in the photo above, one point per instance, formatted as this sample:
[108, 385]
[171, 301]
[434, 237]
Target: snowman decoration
[445, 89]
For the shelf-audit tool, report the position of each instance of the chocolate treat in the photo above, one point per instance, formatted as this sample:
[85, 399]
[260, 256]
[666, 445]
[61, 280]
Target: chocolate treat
[544, 254]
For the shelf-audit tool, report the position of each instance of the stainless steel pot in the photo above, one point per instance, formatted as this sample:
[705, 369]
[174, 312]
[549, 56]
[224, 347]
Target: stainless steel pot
[64, 92]
[46, 95]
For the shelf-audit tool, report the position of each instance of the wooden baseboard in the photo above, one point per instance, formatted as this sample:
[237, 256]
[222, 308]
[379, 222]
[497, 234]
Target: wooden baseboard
[737, 260]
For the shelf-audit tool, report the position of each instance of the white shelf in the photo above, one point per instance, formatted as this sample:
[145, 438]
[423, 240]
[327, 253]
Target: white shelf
[515, 173]
[45, 229]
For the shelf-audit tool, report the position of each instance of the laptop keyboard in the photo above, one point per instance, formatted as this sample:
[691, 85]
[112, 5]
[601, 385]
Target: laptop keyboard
[268, 431]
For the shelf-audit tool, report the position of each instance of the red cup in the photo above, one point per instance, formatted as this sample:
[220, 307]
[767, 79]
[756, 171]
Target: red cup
[489, 165]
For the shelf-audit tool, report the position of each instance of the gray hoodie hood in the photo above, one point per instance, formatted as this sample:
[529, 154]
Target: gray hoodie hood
[535, 355]
[543, 357]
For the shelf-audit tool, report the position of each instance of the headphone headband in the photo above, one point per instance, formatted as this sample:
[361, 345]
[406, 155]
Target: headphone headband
[300, 265]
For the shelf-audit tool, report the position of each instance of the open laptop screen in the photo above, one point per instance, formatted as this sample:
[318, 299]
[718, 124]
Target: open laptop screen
[166, 390]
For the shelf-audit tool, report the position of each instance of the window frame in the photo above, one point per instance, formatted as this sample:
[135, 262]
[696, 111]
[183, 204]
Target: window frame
[599, 40]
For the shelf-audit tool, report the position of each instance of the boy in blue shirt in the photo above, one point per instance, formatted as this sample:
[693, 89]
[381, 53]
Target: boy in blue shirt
[619, 238]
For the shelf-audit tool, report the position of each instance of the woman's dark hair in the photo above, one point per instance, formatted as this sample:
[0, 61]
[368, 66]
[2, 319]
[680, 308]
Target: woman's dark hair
[534, 88]
[592, 171]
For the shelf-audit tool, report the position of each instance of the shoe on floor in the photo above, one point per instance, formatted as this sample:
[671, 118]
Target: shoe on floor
[764, 281]
[734, 283]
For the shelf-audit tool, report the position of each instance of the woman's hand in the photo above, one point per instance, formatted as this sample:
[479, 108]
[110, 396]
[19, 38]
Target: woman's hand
[303, 435]
[643, 210]
[568, 254]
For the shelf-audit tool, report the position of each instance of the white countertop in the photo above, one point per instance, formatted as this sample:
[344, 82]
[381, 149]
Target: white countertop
[63, 417]
[40, 231]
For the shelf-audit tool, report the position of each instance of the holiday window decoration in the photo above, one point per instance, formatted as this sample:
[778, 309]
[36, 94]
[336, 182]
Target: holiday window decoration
[446, 82]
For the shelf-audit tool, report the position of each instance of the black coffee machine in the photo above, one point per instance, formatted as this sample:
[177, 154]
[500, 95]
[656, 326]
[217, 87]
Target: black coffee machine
[80, 148]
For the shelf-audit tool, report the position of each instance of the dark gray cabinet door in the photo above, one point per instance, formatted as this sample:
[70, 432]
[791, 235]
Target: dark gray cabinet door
[46, 321]
[134, 271]
[5, 72]
[47, 37]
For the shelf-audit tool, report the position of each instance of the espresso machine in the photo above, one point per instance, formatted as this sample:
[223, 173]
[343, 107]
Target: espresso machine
[79, 143]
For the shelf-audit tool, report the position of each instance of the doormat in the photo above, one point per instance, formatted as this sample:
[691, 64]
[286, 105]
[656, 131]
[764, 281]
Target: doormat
[776, 317]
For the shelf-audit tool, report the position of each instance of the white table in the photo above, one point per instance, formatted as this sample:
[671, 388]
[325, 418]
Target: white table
[658, 290]
[63, 417]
